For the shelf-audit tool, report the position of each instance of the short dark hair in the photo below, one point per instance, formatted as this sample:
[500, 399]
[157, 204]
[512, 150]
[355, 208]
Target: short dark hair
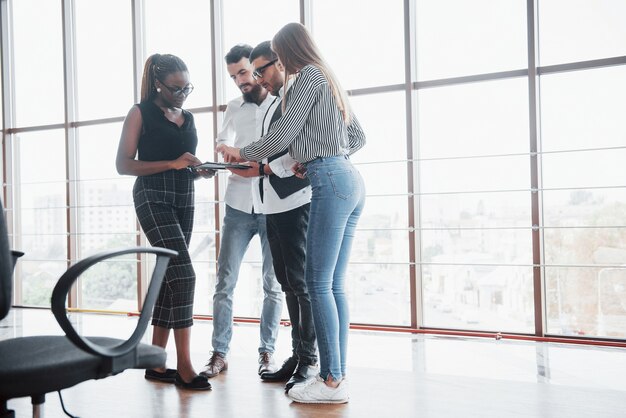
[238, 52]
[264, 49]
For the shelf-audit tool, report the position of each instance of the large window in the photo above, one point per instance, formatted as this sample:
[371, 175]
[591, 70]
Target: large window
[245, 22]
[494, 160]
[185, 32]
[581, 30]
[460, 38]
[584, 180]
[104, 59]
[364, 45]
[379, 289]
[104, 210]
[38, 66]
[39, 202]
[474, 180]
[105, 220]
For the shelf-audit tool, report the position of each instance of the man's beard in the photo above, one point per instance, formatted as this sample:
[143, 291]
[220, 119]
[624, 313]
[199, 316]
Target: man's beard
[253, 95]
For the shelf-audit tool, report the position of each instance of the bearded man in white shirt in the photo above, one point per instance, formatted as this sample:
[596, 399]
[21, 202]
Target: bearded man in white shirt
[243, 220]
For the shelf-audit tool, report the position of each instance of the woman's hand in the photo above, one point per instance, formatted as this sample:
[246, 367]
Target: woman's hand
[299, 170]
[230, 154]
[184, 161]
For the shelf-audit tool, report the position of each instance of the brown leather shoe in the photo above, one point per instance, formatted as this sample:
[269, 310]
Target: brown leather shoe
[217, 363]
[266, 363]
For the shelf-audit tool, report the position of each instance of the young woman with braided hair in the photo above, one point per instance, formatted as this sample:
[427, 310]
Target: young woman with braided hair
[157, 145]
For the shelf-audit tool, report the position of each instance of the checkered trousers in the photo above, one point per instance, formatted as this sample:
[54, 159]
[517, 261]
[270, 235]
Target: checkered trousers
[164, 207]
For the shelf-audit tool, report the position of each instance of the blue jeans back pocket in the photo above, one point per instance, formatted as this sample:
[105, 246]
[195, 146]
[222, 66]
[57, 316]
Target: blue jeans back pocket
[343, 183]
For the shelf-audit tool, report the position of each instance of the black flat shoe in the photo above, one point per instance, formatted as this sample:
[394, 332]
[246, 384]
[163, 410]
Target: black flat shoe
[168, 376]
[198, 383]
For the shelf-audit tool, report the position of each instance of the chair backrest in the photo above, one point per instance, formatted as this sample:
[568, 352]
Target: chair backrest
[6, 267]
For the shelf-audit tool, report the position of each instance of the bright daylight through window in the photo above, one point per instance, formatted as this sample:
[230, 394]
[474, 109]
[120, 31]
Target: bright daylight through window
[493, 167]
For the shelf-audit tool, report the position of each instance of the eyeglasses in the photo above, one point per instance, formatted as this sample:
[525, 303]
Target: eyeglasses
[258, 73]
[177, 91]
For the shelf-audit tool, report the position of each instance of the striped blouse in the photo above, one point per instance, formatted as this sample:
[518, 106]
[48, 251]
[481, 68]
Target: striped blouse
[312, 125]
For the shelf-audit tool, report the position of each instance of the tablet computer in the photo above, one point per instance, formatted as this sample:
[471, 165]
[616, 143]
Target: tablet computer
[218, 166]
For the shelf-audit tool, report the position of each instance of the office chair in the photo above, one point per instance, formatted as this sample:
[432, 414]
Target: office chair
[36, 365]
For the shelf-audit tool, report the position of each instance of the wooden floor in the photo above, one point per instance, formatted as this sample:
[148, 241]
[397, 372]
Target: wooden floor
[391, 375]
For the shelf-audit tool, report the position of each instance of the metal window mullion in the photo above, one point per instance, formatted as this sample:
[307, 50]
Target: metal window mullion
[413, 166]
[8, 121]
[139, 45]
[366, 91]
[71, 145]
[582, 65]
[217, 52]
[6, 60]
[10, 148]
[306, 13]
[474, 78]
[533, 115]
[218, 96]
[7, 80]
[139, 52]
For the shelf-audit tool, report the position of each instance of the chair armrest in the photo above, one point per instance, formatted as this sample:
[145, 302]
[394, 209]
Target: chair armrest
[63, 286]
[15, 255]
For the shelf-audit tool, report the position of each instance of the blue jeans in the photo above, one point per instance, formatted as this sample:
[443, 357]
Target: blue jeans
[237, 232]
[336, 205]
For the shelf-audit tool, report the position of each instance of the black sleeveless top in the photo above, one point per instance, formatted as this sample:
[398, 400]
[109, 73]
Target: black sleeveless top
[161, 139]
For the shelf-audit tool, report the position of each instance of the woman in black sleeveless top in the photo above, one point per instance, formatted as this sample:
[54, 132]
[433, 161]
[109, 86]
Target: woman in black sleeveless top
[164, 137]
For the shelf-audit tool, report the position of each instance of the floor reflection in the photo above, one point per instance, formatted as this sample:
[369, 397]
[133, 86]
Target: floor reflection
[421, 355]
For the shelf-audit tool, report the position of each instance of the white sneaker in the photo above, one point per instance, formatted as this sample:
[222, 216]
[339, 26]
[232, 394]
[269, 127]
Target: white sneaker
[302, 376]
[316, 391]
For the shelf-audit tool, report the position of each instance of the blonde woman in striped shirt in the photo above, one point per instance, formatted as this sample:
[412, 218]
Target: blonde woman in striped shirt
[321, 132]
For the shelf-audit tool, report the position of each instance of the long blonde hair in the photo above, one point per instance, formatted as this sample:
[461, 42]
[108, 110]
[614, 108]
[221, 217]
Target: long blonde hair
[296, 48]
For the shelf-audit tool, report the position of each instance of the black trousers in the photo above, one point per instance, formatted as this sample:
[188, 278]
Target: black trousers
[286, 233]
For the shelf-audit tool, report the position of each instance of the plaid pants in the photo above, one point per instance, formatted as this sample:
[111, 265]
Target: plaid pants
[164, 207]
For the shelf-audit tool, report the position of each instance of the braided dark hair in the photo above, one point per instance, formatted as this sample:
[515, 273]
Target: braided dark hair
[157, 67]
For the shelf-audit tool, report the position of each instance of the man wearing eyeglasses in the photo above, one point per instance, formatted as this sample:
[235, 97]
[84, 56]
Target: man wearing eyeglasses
[285, 201]
[242, 125]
